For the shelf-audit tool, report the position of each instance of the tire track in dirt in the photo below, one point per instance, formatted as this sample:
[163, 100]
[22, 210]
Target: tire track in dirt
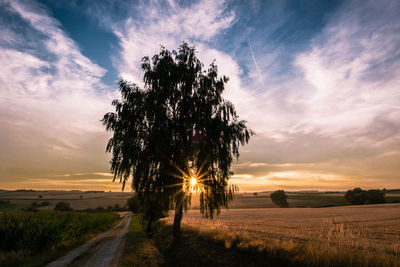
[103, 250]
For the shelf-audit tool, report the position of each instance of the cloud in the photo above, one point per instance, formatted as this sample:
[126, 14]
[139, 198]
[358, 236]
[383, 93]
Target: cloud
[168, 24]
[329, 109]
[51, 98]
[321, 113]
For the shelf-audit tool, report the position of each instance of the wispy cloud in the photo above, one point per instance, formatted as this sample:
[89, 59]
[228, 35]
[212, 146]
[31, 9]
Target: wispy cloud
[51, 98]
[255, 63]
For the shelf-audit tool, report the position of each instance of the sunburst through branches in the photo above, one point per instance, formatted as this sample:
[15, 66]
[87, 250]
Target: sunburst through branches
[192, 179]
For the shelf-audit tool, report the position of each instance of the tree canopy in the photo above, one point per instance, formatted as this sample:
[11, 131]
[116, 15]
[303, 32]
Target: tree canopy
[279, 198]
[176, 128]
[357, 196]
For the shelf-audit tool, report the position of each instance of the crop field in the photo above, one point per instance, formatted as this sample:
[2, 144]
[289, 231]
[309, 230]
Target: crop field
[13, 200]
[367, 235]
[25, 235]
[295, 200]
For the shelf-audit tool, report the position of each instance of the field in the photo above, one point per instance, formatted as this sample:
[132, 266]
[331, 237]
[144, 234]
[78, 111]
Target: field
[336, 236]
[14, 200]
[36, 237]
[318, 229]
[78, 200]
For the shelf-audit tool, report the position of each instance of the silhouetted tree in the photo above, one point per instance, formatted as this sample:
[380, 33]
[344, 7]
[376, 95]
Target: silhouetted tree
[279, 198]
[376, 196]
[176, 127]
[357, 196]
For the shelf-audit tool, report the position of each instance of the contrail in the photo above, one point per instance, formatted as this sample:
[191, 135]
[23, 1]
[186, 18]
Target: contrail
[255, 62]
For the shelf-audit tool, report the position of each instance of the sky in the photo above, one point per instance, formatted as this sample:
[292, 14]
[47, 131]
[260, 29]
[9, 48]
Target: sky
[318, 81]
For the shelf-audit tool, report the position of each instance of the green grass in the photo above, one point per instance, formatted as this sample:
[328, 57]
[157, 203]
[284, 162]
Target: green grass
[139, 250]
[29, 238]
[6, 206]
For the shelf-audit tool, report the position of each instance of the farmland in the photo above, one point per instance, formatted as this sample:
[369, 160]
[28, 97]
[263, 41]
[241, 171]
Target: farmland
[336, 236]
[318, 229]
[13, 200]
[37, 236]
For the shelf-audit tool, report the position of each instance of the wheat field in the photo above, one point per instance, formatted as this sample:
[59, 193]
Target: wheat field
[349, 235]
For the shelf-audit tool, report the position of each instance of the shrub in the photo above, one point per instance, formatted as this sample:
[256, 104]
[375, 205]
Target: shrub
[279, 198]
[44, 204]
[63, 206]
[133, 204]
[375, 196]
[357, 196]
[151, 206]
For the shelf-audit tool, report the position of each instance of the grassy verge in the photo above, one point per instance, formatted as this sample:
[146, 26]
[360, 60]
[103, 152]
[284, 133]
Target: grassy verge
[139, 250]
[214, 248]
[35, 238]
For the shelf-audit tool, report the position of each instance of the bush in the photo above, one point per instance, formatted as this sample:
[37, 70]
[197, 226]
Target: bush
[152, 206]
[133, 204]
[279, 198]
[63, 206]
[44, 204]
[375, 196]
[357, 196]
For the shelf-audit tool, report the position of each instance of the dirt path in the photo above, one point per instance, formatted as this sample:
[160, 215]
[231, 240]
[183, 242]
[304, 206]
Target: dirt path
[103, 250]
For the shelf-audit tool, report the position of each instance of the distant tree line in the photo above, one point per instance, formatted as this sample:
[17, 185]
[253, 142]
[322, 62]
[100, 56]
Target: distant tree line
[357, 196]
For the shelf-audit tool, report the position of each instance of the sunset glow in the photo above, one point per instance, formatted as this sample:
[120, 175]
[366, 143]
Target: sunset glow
[317, 81]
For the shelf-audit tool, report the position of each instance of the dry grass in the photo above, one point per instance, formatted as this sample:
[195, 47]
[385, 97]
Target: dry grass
[338, 236]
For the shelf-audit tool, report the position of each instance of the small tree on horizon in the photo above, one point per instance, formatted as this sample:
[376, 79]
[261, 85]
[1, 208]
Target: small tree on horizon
[176, 129]
[279, 198]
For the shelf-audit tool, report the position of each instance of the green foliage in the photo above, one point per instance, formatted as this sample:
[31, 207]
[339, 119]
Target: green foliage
[176, 125]
[152, 206]
[63, 206]
[357, 196]
[133, 204]
[31, 208]
[279, 198]
[38, 231]
[6, 205]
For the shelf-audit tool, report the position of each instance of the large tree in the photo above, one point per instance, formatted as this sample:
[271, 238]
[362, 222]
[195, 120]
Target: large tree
[177, 135]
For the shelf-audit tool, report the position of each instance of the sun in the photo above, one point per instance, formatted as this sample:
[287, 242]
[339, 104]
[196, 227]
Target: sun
[193, 181]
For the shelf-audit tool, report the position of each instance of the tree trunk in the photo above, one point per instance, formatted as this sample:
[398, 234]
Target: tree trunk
[178, 217]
